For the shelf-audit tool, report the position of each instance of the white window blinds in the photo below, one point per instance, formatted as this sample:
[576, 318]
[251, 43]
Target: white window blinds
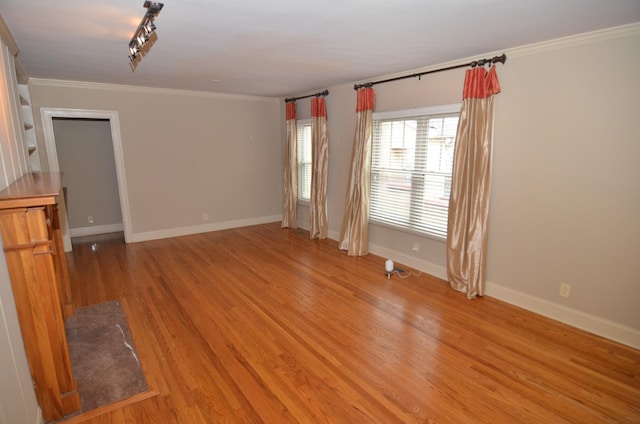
[304, 159]
[411, 169]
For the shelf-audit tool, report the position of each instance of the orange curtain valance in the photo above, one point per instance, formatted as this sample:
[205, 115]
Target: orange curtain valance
[366, 99]
[291, 111]
[480, 83]
[318, 107]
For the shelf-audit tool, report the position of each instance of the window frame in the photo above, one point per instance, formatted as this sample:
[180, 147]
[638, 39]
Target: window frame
[430, 111]
[299, 124]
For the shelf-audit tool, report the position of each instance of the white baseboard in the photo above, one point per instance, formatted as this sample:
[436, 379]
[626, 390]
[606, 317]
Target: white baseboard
[584, 321]
[97, 229]
[591, 323]
[205, 228]
[416, 263]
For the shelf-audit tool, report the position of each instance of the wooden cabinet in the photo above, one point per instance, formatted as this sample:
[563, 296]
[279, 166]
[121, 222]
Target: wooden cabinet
[37, 266]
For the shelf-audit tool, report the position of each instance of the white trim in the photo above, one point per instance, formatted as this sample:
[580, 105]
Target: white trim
[419, 111]
[411, 261]
[622, 31]
[97, 229]
[145, 90]
[197, 229]
[39, 417]
[49, 137]
[591, 323]
[576, 40]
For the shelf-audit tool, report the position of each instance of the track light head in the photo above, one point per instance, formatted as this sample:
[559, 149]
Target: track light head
[145, 34]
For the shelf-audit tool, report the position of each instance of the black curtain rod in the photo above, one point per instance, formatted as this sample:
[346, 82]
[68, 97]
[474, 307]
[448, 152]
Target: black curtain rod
[324, 93]
[475, 63]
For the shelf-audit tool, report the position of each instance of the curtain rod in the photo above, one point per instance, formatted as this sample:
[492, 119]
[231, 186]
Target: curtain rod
[318, 94]
[475, 63]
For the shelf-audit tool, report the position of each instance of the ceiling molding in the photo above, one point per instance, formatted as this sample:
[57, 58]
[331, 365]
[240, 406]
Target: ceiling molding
[623, 31]
[42, 82]
[520, 51]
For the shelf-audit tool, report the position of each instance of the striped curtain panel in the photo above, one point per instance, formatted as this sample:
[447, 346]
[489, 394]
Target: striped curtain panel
[319, 227]
[354, 236]
[290, 189]
[471, 184]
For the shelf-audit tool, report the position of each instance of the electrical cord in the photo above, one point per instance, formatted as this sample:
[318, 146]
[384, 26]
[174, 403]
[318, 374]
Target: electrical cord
[405, 274]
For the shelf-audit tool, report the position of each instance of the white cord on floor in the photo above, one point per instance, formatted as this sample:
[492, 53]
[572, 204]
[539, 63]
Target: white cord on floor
[406, 274]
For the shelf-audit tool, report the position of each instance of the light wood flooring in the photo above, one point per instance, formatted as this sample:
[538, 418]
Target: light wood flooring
[263, 325]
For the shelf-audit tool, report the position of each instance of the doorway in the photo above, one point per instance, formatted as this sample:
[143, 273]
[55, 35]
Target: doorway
[48, 117]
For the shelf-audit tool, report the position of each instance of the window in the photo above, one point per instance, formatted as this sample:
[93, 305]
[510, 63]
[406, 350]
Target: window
[304, 159]
[411, 168]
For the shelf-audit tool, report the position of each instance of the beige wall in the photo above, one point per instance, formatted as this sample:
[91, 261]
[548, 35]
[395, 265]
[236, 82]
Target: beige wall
[565, 202]
[565, 193]
[185, 154]
[85, 156]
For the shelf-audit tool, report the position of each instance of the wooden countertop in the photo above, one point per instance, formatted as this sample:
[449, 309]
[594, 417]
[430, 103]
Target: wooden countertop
[34, 189]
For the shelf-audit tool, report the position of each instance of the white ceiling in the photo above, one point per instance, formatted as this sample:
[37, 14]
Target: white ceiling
[285, 47]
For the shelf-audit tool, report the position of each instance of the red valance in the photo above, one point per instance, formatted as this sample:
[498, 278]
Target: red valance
[480, 83]
[318, 107]
[291, 110]
[366, 99]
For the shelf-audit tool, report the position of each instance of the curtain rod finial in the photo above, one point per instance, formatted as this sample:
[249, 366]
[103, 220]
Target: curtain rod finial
[502, 58]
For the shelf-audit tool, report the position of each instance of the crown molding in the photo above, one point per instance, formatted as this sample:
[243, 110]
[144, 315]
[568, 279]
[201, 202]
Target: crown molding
[612, 33]
[43, 82]
[623, 31]
[607, 34]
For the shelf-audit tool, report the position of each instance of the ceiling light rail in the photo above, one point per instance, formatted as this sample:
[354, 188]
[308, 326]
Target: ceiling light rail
[145, 35]
[324, 93]
[488, 61]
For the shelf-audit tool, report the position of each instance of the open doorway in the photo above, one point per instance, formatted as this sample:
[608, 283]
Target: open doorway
[85, 156]
[61, 118]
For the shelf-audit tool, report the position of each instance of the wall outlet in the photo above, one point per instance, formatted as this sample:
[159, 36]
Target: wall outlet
[90, 219]
[416, 247]
[205, 216]
[565, 290]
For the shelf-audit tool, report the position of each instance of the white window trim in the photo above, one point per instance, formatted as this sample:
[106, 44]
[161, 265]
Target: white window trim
[408, 113]
[421, 111]
[301, 123]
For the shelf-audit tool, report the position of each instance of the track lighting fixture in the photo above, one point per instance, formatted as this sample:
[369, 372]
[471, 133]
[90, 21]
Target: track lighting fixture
[145, 35]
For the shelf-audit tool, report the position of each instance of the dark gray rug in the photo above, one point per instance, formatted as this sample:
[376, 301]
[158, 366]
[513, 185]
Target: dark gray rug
[104, 360]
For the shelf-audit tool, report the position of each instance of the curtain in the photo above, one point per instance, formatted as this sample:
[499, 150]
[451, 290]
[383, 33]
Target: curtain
[319, 226]
[470, 186]
[290, 200]
[354, 236]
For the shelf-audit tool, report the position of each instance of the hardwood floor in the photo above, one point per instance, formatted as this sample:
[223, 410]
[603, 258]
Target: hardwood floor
[263, 325]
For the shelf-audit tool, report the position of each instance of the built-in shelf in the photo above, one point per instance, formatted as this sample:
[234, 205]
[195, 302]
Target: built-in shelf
[29, 130]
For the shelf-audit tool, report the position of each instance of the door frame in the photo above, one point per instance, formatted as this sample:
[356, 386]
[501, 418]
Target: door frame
[48, 114]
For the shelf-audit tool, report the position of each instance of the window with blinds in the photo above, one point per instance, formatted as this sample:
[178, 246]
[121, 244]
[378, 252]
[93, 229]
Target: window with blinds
[304, 159]
[411, 168]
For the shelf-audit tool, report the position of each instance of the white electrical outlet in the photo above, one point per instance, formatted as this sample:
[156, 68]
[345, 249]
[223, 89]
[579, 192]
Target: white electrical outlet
[90, 219]
[416, 247]
[565, 290]
[205, 216]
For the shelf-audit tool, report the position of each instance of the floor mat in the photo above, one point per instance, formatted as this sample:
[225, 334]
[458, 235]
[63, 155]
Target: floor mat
[104, 360]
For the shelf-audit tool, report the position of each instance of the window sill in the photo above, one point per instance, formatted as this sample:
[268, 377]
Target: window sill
[408, 231]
